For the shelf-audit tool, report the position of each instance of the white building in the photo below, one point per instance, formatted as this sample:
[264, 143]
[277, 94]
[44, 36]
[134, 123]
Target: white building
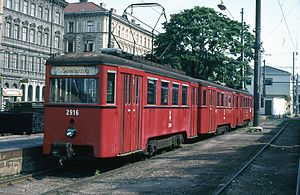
[276, 94]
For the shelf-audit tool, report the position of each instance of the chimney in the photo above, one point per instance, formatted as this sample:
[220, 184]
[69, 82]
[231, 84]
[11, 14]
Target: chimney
[103, 5]
[83, 1]
[114, 11]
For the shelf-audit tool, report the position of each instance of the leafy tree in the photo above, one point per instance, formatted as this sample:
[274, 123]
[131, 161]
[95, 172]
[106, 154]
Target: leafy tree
[205, 44]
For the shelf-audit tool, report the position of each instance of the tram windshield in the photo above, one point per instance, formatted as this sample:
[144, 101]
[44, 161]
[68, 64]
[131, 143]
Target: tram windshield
[73, 90]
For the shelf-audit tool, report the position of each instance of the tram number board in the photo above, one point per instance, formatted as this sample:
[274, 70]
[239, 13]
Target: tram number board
[73, 70]
[71, 112]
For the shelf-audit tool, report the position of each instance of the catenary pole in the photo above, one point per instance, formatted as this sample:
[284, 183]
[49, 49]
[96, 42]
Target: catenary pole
[257, 63]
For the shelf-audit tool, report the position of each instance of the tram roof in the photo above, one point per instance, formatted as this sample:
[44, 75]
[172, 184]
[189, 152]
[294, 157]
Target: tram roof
[92, 58]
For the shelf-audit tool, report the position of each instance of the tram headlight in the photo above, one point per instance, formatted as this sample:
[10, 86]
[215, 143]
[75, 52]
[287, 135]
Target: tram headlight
[71, 132]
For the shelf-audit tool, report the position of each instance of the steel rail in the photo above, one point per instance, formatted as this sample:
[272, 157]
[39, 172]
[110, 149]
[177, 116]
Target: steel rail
[298, 179]
[251, 160]
[20, 178]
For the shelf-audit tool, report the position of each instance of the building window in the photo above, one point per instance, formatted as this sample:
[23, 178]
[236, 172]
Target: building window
[14, 61]
[17, 32]
[70, 47]
[37, 93]
[24, 33]
[39, 64]
[31, 66]
[262, 102]
[175, 89]
[40, 12]
[32, 9]
[268, 81]
[151, 92]
[164, 95]
[71, 27]
[57, 17]
[110, 89]
[9, 4]
[17, 5]
[46, 14]
[148, 43]
[29, 63]
[90, 26]
[8, 29]
[248, 81]
[6, 60]
[32, 36]
[56, 42]
[30, 93]
[184, 94]
[39, 38]
[46, 39]
[88, 46]
[23, 63]
[25, 7]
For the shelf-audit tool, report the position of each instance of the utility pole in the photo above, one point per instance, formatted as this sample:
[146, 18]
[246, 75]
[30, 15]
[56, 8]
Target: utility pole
[242, 51]
[109, 27]
[293, 81]
[297, 96]
[257, 63]
[264, 79]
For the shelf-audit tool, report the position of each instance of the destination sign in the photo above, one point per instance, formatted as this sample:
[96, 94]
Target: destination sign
[74, 70]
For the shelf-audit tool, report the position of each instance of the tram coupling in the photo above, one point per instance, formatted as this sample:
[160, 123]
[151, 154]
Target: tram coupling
[63, 151]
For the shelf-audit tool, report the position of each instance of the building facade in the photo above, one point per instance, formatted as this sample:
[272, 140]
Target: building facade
[87, 27]
[276, 91]
[32, 32]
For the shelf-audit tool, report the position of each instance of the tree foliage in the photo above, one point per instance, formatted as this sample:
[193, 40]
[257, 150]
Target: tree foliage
[205, 44]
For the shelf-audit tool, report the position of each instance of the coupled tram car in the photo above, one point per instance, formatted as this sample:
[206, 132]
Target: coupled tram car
[106, 106]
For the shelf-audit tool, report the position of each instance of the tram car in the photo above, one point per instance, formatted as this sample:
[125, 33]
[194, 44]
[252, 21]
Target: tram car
[105, 106]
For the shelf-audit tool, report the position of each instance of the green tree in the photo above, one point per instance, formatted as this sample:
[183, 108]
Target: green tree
[205, 44]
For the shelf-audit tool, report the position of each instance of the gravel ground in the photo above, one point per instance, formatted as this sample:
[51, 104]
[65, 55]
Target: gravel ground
[275, 171]
[196, 168]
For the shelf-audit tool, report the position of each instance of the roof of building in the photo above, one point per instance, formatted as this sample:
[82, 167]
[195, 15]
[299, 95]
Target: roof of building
[272, 70]
[83, 7]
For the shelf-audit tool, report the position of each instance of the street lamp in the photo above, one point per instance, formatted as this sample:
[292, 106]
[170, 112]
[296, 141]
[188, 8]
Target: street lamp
[222, 6]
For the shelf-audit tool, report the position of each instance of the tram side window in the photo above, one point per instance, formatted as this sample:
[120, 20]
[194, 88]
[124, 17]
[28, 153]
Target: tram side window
[222, 99]
[204, 98]
[164, 93]
[211, 98]
[175, 89]
[184, 95]
[151, 93]
[218, 99]
[110, 89]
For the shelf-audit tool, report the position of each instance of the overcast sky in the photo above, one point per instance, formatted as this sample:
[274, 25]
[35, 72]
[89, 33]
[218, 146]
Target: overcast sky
[280, 22]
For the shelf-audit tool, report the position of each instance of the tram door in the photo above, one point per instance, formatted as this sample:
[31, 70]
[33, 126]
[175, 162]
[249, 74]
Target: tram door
[194, 112]
[212, 110]
[131, 117]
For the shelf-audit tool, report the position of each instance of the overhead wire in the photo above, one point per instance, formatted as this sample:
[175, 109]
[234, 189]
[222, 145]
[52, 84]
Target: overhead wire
[286, 25]
[279, 23]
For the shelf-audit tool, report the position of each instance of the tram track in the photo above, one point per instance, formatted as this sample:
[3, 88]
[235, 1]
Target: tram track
[196, 161]
[23, 177]
[255, 157]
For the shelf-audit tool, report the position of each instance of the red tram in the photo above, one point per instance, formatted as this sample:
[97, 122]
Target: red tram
[106, 106]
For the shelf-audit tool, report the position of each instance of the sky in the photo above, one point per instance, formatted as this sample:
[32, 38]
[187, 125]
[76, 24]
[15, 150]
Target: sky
[280, 22]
